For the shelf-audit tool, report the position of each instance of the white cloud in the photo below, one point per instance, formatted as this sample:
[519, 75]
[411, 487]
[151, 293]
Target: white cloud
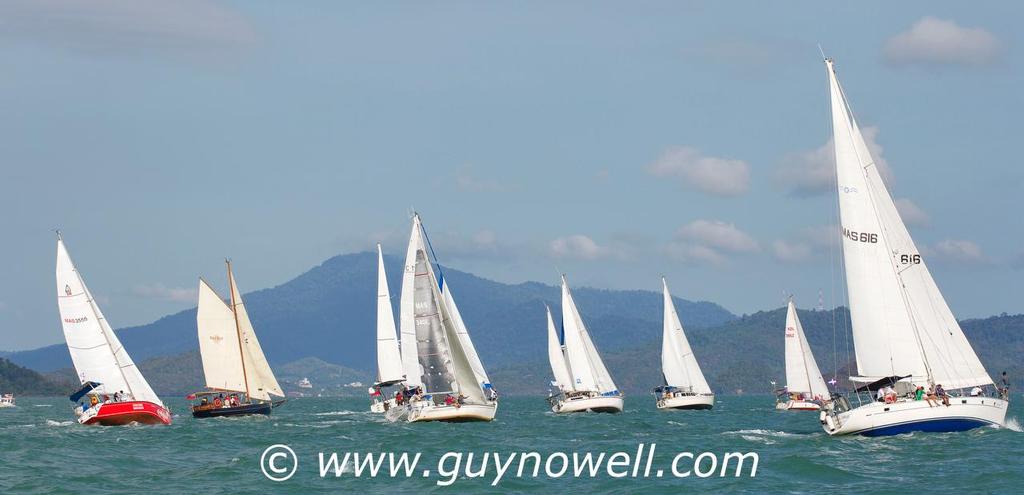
[932, 41]
[468, 180]
[712, 175]
[791, 251]
[577, 246]
[128, 27]
[813, 172]
[911, 213]
[719, 235]
[693, 253]
[163, 293]
[957, 251]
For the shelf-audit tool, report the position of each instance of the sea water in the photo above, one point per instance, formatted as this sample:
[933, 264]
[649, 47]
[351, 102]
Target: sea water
[43, 450]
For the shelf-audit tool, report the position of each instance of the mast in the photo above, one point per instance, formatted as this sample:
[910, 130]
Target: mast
[238, 329]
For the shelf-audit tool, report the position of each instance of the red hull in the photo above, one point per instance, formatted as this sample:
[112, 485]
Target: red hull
[122, 413]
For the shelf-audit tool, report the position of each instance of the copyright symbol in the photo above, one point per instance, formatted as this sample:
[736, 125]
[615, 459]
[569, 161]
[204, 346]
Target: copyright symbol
[275, 460]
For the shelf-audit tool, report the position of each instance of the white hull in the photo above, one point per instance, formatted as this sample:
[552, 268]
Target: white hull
[797, 405]
[687, 402]
[6, 404]
[427, 411]
[904, 416]
[380, 407]
[589, 404]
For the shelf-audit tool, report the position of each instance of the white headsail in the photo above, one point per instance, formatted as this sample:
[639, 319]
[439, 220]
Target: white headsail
[802, 373]
[389, 360]
[678, 364]
[95, 350]
[556, 355]
[588, 370]
[901, 323]
[407, 311]
[261, 378]
[463, 333]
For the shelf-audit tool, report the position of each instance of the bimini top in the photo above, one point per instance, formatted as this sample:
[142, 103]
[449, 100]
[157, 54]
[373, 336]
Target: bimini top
[86, 388]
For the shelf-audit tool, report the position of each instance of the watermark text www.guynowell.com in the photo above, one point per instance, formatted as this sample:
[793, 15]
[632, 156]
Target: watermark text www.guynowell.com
[280, 463]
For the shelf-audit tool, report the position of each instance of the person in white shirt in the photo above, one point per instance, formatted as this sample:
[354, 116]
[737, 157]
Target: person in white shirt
[976, 392]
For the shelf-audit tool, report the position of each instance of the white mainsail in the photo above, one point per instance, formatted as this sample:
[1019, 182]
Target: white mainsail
[95, 350]
[678, 364]
[588, 370]
[901, 323]
[407, 311]
[218, 342]
[389, 360]
[802, 373]
[556, 355]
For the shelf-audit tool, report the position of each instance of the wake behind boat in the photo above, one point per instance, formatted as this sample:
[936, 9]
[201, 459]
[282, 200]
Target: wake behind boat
[582, 382]
[805, 388]
[905, 336]
[239, 380]
[116, 392]
[685, 386]
[444, 378]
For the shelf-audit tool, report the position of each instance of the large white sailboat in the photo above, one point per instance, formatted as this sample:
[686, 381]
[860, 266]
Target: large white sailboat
[114, 390]
[444, 378]
[389, 358]
[583, 383]
[685, 386]
[904, 333]
[239, 380]
[805, 388]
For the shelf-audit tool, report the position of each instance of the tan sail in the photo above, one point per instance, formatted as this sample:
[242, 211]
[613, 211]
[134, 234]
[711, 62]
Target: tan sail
[261, 380]
[218, 342]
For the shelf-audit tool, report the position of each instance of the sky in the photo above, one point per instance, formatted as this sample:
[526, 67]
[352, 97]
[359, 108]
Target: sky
[615, 142]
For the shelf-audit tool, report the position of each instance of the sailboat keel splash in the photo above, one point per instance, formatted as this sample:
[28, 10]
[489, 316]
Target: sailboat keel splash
[124, 413]
[881, 419]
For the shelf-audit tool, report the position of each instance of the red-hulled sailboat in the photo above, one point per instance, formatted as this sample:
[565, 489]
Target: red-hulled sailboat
[113, 391]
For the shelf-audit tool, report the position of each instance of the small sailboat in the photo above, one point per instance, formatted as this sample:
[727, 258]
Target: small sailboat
[906, 338]
[583, 383]
[239, 380]
[805, 388]
[113, 391]
[685, 386]
[7, 400]
[444, 378]
[389, 358]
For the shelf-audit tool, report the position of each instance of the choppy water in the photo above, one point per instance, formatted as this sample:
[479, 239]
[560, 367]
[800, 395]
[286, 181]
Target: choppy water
[43, 450]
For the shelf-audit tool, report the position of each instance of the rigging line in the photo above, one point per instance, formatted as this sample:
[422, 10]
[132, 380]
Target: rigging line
[847, 325]
[423, 228]
[904, 295]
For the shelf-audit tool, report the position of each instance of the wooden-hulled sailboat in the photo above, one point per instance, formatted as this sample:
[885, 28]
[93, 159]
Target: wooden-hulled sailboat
[239, 380]
[904, 334]
[389, 358]
[113, 391]
[583, 383]
[685, 386]
[444, 377]
[805, 388]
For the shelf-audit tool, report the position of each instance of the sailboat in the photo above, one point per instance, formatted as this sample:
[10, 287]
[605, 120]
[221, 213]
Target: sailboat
[444, 378]
[582, 382]
[239, 381]
[685, 386]
[805, 388]
[389, 358]
[904, 334]
[7, 400]
[113, 391]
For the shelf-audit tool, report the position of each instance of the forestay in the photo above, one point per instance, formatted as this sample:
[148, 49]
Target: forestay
[96, 352]
[901, 323]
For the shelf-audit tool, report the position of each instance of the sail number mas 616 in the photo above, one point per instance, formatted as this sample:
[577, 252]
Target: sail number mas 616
[860, 236]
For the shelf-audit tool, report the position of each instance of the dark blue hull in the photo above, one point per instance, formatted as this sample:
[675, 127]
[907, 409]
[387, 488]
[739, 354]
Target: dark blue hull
[263, 408]
[933, 426]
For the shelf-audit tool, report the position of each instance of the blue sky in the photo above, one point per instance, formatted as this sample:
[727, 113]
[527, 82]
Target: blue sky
[614, 142]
